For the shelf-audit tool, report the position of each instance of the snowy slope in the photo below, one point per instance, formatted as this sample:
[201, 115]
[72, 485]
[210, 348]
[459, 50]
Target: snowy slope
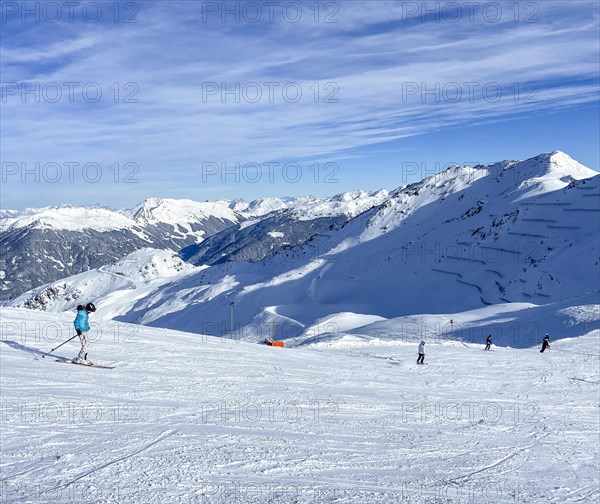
[185, 418]
[516, 325]
[547, 173]
[45, 244]
[274, 223]
[508, 233]
[120, 283]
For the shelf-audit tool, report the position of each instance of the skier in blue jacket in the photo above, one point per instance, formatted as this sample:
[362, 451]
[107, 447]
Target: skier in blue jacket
[82, 326]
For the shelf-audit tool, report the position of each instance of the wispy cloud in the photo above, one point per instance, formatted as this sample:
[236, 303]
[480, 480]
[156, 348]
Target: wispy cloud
[49, 52]
[381, 72]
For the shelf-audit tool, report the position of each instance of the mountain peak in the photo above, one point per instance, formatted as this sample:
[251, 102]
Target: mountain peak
[559, 153]
[548, 172]
[181, 211]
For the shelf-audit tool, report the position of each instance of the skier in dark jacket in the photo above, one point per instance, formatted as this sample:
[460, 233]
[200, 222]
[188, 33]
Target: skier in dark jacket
[488, 342]
[545, 343]
[421, 358]
[82, 326]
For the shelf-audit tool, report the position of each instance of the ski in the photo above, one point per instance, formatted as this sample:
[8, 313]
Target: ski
[85, 365]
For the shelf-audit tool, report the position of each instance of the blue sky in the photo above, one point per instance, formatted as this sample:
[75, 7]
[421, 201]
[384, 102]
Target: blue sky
[383, 85]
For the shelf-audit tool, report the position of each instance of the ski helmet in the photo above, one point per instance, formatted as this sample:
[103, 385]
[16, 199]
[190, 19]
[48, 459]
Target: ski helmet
[90, 307]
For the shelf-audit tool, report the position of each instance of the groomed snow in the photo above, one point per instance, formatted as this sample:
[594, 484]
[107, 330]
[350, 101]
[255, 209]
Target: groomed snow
[343, 413]
[185, 418]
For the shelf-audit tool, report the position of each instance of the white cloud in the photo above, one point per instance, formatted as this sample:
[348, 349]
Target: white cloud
[170, 53]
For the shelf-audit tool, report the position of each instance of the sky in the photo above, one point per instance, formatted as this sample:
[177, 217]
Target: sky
[111, 103]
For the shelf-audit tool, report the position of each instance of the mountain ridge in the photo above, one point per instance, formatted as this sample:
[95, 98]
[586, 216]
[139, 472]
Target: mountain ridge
[461, 240]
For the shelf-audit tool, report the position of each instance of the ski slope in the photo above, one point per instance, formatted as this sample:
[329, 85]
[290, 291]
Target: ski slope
[188, 418]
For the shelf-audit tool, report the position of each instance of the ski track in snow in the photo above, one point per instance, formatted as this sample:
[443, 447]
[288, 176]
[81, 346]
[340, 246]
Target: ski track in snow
[129, 455]
[185, 418]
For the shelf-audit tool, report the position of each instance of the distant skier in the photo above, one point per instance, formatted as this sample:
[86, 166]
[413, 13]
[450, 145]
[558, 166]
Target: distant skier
[421, 358]
[82, 326]
[488, 342]
[545, 343]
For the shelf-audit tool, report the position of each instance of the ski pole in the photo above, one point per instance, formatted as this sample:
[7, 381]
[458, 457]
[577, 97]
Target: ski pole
[56, 348]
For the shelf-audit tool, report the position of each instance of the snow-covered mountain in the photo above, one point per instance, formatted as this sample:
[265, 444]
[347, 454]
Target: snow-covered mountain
[310, 207]
[274, 223]
[46, 244]
[518, 234]
[182, 213]
[134, 276]
[510, 232]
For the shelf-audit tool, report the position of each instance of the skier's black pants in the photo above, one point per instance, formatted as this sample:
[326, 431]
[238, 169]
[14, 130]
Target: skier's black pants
[488, 346]
[421, 358]
[544, 346]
